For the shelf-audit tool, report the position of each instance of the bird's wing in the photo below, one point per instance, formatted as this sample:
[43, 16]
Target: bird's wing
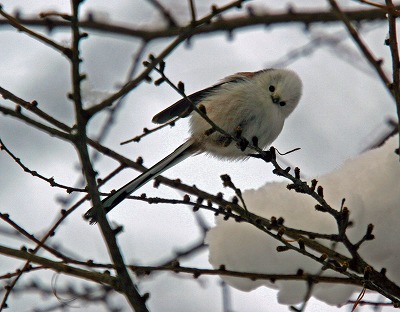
[183, 107]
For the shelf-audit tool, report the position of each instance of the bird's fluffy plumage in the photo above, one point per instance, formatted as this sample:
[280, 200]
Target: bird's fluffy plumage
[244, 100]
[257, 102]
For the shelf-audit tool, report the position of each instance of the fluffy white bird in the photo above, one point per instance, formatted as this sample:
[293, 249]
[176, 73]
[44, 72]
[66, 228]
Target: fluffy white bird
[257, 103]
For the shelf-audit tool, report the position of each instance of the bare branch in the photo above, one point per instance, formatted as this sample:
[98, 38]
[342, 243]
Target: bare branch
[126, 285]
[51, 180]
[17, 113]
[377, 64]
[164, 12]
[18, 25]
[196, 272]
[61, 267]
[147, 131]
[193, 13]
[33, 107]
[395, 87]
[228, 24]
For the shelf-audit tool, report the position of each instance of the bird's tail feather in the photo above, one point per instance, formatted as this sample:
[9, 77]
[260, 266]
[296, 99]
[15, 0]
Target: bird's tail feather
[181, 153]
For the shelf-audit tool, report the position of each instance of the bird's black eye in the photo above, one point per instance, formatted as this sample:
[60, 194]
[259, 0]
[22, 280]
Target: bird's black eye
[282, 103]
[271, 88]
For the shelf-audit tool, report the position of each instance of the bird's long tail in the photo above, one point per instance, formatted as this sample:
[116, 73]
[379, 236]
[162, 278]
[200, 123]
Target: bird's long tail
[181, 153]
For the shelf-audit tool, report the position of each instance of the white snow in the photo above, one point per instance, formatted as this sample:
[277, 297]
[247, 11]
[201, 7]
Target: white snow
[370, 184]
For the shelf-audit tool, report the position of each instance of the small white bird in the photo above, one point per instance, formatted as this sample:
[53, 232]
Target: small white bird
[257, 103]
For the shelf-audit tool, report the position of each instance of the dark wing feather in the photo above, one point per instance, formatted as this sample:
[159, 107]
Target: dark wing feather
[183, 107]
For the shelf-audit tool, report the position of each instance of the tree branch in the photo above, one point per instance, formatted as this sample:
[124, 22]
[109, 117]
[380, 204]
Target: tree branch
[60, 267]
[18, 25]
[395, 87]
[229, 24]
[377, 64]
[126, 285]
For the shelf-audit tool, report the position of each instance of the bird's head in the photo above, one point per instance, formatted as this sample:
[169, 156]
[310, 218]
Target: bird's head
[282, 86]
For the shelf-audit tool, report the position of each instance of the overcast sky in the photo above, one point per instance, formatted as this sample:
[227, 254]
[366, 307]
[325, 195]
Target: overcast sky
[343, 109]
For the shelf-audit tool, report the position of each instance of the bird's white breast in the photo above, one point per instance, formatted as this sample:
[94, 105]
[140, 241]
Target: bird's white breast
[241, 104]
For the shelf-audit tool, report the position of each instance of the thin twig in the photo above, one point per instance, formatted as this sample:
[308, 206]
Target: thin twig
[189, 251]
[164, 12]
[395, 87]
[17, 272]
[311, 281]
[370, 303]
[147, 131]
[377, 64]
[6, 218]
[33, 107]
[374, 4]
[192, 6]
[227, 182]
[51, 180]
[17, 113]
[175, 267]
[17, 24]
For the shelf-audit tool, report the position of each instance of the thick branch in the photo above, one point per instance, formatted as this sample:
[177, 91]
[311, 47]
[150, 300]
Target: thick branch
[60, 267]
[395, 59]
[126, 285]
[306, 18]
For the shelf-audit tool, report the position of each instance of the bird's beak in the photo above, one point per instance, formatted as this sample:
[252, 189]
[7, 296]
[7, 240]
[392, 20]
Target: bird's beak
[275, 99]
